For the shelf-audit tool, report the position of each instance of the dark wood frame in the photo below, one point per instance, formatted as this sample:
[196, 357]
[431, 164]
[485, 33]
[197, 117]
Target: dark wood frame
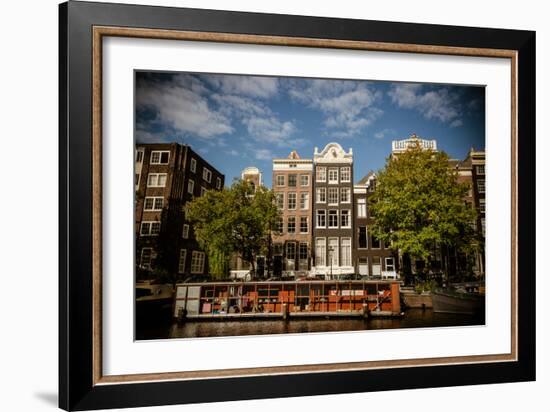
[81, 385]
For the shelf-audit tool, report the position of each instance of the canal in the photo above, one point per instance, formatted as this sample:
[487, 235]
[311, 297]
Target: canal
[414, 318]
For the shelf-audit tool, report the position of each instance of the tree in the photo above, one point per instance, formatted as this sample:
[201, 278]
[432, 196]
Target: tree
[419, 205]
[236, 220]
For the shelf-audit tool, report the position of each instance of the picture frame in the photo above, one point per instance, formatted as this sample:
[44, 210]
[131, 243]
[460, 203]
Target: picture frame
[82, 28]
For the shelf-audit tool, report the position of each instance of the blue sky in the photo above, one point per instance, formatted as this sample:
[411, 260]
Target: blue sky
[235, 121]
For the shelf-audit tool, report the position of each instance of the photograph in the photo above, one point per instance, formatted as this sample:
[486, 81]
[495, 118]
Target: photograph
[269, 205]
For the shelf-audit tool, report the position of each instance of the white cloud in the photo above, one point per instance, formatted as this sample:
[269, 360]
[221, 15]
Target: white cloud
[263, 154]
[384, 133]
[348, 106]
[251, 86]
[438, 104]
[456, 123]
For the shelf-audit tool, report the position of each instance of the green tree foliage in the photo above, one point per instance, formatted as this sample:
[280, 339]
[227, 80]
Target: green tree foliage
[419, 205]
[235, 220]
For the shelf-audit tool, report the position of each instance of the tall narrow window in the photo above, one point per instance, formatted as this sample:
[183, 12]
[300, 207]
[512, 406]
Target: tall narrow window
[279, 226]
[292, 201]
[374, 242]
[333, 195]
[480, 169]
[280, 200]
[345, 195]
[292, 180]
[145, 260]
[481, 186]
[345, 251]
[390, 266]
[345, 174]
[321, 174]
[280, 180]
[482, 205]
[333, 219]
[185, 231]
[291, 224]
[362, 207]
[206, 174]
[362, 241]
[345, 219]
[190, 187]
[181, 263]
[304, 180]
[197, 262]
[333, 175]
[333, 251]
[320, 251]
[193, 165]
[303, 224]
[321, 218]
[304, 200]
[321, 194]
[218, 183]
[303, 251]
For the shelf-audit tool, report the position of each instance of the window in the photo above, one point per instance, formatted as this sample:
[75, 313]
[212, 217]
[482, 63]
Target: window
[481, 186]
[292, 201]
[390, 265]
[376, 266]
[304, 200]
[197, 262]
[291, 224]
[333, 218]
[292, 180]
[321, 218]
[146, 257]
[190, 187]
[280, 200]
[372, 185]
[304, 180]
[279, 225]
[482, 205]
[321, 195]
[333, 175]
[150, 228]
[139, 156]
[303, 251]
[206, 174]
[374, 242]
[156, 180]
[345, 195]
[292, 165]
[193, 165]
[333, 251]
[362, 241]
[218, 183]
[345, 174]
[159, 157]
[291, 250]
[345, 251]
[153, 203]
[203, 190]
[280, 180]
[333, 195]
[345, 219]
[185, 232]
[362, 207]
[303, 224]
[483, 226]
[320, 251]
[321, 174]
[137, 176]
[181, 263]
[480, 169]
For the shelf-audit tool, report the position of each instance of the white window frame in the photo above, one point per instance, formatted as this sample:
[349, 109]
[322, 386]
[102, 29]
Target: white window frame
[160, 152]
[480, 169]
[318, 191]
[320, 251]
[288, 224]
[345, 254]
[361, 207]
[185, 231]
[366, 236]
[141, 152]
[154, 199]
[307, 224]
[197, 262]
[320, 174]
[392, 263]
[345, 190]
[150, 257]
[203, 190]
[206, 174]
[348, 226]
[182, 260]
[335, 252]
[157, 177]
[332, 181]
[218, 183]
[288, 180]
[304, 200]
[348, 173]
[336, 195]
[280, 200]
[149, 232]
[193, 165]
[291, 195]
[191, 186]
[301, 180]
[481, 186]
[333, 214]
[280, 180]
[324, 213]
[482, 205]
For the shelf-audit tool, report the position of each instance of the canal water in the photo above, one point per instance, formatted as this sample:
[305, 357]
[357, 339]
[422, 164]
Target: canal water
[414, 318]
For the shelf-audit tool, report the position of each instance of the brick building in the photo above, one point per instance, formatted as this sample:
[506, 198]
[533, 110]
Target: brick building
[333, 231]
[372, 256]
[292, 184]
[167, 175]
